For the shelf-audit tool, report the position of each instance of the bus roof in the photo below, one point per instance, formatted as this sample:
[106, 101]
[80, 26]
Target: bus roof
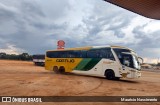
[76, 48]
[122, 47]
[92, 47]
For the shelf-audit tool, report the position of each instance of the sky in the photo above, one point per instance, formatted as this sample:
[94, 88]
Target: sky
[34, 26]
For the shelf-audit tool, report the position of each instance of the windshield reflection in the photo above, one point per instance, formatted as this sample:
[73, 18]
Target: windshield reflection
[127, 58]
[136, 63]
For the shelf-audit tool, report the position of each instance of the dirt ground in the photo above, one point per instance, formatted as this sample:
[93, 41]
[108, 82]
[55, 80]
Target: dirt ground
[20, 78]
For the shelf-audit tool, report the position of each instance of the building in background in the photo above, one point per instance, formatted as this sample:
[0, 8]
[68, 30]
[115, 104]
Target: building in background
[146, 66]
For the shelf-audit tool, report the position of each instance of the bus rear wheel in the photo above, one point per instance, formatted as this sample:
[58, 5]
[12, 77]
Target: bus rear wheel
[110, 75]
[62, 69]
[55, 69]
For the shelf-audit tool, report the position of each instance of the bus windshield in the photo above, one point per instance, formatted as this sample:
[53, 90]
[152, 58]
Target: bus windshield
[136, 62]
[126, 58]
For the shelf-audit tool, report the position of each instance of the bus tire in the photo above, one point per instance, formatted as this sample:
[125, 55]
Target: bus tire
[62, 69]
[55, 69]
[110, 74]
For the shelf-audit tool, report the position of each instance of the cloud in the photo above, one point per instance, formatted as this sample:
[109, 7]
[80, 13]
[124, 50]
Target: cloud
[105, 25]
[26, 25]
[35, 26]
[151, 60]
[148, 45]
[11, 49]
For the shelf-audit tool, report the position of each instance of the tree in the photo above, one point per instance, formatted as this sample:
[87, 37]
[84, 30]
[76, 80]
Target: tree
[158, 64]
[3, 55]
[23, 56]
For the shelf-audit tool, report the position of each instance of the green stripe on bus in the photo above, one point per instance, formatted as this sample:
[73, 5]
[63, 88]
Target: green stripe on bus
[91, 64]
[83, 63]
[87, 64]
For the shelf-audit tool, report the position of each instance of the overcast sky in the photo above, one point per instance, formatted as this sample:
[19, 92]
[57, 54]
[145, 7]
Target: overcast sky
[34, 26]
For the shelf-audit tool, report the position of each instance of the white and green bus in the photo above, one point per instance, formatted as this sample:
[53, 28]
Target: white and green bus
[112, 62]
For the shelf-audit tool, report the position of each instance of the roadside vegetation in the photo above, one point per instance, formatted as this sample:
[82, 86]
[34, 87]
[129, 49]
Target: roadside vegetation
[23, 56]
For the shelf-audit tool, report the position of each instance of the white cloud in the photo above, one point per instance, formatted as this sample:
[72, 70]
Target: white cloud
[151, 60]
[7, 8]
[154, 51]
[154, 25]
[35, 26]
[11, 49]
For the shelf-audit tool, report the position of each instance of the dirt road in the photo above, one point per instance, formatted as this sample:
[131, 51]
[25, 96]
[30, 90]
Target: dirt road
[19, 78]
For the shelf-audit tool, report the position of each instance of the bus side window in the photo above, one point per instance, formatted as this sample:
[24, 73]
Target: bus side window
[70, 54]
[83, 54]
[62, 54]
[106, 53]
[92, 54]
[74, 54]
[102, 53]
[78, 54]
[51, 54]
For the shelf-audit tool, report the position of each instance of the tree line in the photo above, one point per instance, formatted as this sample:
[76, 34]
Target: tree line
[23, 56]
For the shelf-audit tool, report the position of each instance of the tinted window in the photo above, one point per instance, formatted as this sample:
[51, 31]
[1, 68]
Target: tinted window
[106, 53]
[100, 53]
[57, 54]
[65, 54]
[83, 54]
[78, 54]
[127, 57]
[122, 57]
[95, 53]
[119, 52]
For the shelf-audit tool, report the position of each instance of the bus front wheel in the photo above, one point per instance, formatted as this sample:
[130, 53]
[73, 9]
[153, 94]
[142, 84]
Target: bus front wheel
[110, 74]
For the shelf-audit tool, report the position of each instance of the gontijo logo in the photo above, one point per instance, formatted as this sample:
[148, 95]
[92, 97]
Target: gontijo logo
[65, 60]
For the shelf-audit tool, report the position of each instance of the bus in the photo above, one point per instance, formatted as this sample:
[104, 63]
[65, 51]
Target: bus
[39, 59]
[112, 62]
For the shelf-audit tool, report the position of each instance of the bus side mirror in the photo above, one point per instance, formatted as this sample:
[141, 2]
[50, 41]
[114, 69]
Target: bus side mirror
[140, 60]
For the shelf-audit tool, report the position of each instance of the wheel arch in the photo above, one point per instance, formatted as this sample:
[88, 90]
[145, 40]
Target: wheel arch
[108, 70]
